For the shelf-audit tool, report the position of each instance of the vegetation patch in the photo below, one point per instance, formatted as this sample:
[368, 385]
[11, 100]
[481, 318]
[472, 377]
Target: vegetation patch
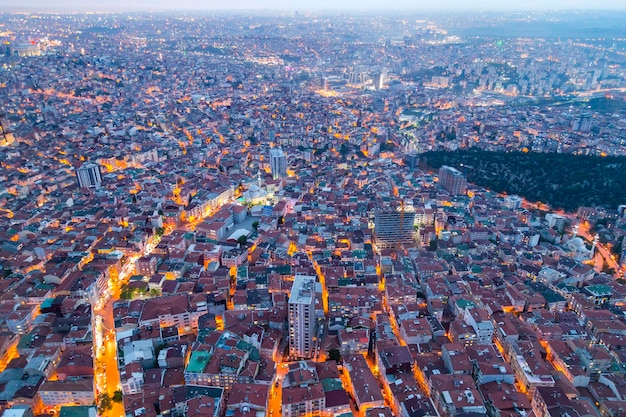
[560, 180]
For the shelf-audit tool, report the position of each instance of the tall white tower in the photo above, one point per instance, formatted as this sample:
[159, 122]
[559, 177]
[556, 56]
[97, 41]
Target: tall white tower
[302, 317]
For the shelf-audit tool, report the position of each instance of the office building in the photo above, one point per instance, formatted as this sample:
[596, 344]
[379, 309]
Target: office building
[379, 80]
[357, 75]
[302, 317]
[452, 180]
[89, 176]
[278, 163]
[393, 227]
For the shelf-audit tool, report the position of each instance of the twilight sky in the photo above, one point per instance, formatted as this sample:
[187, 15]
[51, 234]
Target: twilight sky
[356, 5]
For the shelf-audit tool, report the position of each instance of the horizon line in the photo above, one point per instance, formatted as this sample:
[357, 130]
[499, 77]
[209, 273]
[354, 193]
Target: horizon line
[450, 10]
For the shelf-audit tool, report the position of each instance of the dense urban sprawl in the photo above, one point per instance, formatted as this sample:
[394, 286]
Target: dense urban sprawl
[227, 215]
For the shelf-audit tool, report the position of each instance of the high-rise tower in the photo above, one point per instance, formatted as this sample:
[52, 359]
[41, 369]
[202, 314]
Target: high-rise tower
[452, 180]
[302, 317]
[278, 163]
[379, 80]
[393, 227]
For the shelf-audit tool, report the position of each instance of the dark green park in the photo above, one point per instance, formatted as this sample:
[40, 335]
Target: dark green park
[562, 181]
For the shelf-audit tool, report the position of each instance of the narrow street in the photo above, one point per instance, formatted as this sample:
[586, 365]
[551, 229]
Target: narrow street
[105, 358]
[106, 372]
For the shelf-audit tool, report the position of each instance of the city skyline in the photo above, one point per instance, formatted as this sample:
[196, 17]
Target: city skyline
[446, 5]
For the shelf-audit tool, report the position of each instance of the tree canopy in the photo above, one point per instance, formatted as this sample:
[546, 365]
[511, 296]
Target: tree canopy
[561, 180]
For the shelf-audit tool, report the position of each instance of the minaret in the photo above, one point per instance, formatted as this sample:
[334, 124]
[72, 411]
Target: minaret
[595, 242]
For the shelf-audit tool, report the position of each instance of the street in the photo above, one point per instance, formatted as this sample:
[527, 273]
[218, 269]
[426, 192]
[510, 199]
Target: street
[106, 372]
[607, 256]
[275, 393]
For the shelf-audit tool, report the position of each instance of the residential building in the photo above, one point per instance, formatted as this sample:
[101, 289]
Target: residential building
[278, 163]
[57, 393]
[302, 317]
[452, 180]
[303, 401]
[480, 321]
[88, 175]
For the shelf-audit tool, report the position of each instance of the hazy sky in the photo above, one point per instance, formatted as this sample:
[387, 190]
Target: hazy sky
[314, 4]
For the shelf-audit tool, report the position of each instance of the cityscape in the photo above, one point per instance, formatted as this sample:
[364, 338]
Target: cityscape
[259, 213]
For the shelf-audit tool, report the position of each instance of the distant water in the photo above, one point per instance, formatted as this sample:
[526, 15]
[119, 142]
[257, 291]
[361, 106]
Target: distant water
[557, 25]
